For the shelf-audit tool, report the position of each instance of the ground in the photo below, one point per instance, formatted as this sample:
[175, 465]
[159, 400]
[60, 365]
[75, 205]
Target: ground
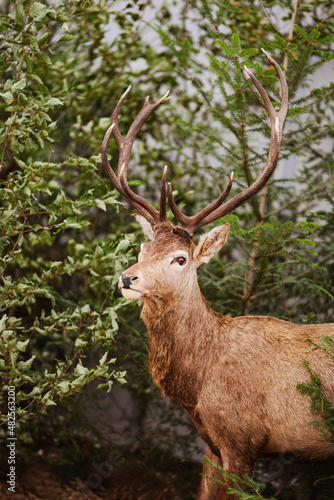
[159, 479]
[42, 481]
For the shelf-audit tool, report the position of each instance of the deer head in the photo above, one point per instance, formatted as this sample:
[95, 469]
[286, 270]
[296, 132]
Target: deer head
[168, 264]
[170, 260]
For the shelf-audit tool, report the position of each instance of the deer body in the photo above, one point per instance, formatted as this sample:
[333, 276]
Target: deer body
[239, 384]
[236, 377]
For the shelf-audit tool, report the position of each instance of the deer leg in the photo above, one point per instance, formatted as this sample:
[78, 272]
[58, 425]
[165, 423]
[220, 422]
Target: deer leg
[208, 488]
[238, 466]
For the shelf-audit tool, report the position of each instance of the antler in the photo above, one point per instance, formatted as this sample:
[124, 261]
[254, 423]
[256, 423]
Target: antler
[216, 210]
[125, 145]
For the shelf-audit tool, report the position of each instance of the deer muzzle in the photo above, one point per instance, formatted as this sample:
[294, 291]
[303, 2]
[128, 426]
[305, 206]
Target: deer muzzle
[126, 281]
[127, 285]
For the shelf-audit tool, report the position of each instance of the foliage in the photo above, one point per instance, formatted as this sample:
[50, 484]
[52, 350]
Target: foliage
[63, 66]
[236, 485]
[320, 403]
[55, 272]
[292, 481]
[60, 265]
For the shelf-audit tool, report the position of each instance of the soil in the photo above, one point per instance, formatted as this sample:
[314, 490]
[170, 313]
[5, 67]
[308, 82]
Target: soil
[42, 481]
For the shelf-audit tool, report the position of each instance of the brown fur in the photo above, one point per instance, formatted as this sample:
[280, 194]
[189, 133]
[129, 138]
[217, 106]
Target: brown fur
[237, 378]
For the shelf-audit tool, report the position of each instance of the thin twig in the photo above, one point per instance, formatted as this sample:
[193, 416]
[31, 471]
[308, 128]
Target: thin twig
[292, 24]
[269, 20]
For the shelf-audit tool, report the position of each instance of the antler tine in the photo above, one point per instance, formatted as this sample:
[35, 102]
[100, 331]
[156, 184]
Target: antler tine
[163, 208]
[133, 198]
[125, 143]
[216, 210]
[284, 92]
[125, 146]
[183, 219]
[113, 178]
[114, 118]
[192, 222]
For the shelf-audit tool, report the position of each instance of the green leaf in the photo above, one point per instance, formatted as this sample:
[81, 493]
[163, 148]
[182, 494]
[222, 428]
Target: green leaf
[235, 43]
[78, 382]
[43, 58]
[249, 53]
[85, 309]
[81, 370]
[25, 365]
[38, 10]
[63, 387]
[22, 345]
[52, 219]
[122, 245]
[103, 359]
[67, 37]
[34, 392]
[281, 42]
[301, 32]
[120, 377]
[49, 402]
[19, 14]
[22, 99]
[72, 223]
[43, 39]
[8, 97]
[101, 204]
[225, 48]
[220, 68]
[100, 386]
[37, 79]
[326, 39]
[80, 344]
[53, 102]
[216, 65]
[20, 85]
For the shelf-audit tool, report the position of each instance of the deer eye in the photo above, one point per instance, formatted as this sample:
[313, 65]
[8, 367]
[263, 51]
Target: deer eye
[181, 261]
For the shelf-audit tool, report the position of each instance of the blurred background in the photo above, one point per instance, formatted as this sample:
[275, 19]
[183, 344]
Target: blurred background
[89, 421]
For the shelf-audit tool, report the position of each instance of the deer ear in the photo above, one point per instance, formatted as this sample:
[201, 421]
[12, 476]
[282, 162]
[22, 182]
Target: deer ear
[210, 243]
[146, 226]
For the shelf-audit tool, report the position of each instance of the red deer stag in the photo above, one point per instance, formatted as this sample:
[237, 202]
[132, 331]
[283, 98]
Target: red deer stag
[236, 377]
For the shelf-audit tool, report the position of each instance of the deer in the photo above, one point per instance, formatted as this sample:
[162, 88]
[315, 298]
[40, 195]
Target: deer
[236, 377]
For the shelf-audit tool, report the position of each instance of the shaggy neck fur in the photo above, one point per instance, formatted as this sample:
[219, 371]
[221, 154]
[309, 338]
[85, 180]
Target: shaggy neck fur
[177, 334]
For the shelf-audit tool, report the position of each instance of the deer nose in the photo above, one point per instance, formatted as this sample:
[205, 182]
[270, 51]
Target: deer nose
[128, 280]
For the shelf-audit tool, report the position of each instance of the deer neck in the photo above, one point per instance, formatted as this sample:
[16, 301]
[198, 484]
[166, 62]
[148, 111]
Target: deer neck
[179, 330]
